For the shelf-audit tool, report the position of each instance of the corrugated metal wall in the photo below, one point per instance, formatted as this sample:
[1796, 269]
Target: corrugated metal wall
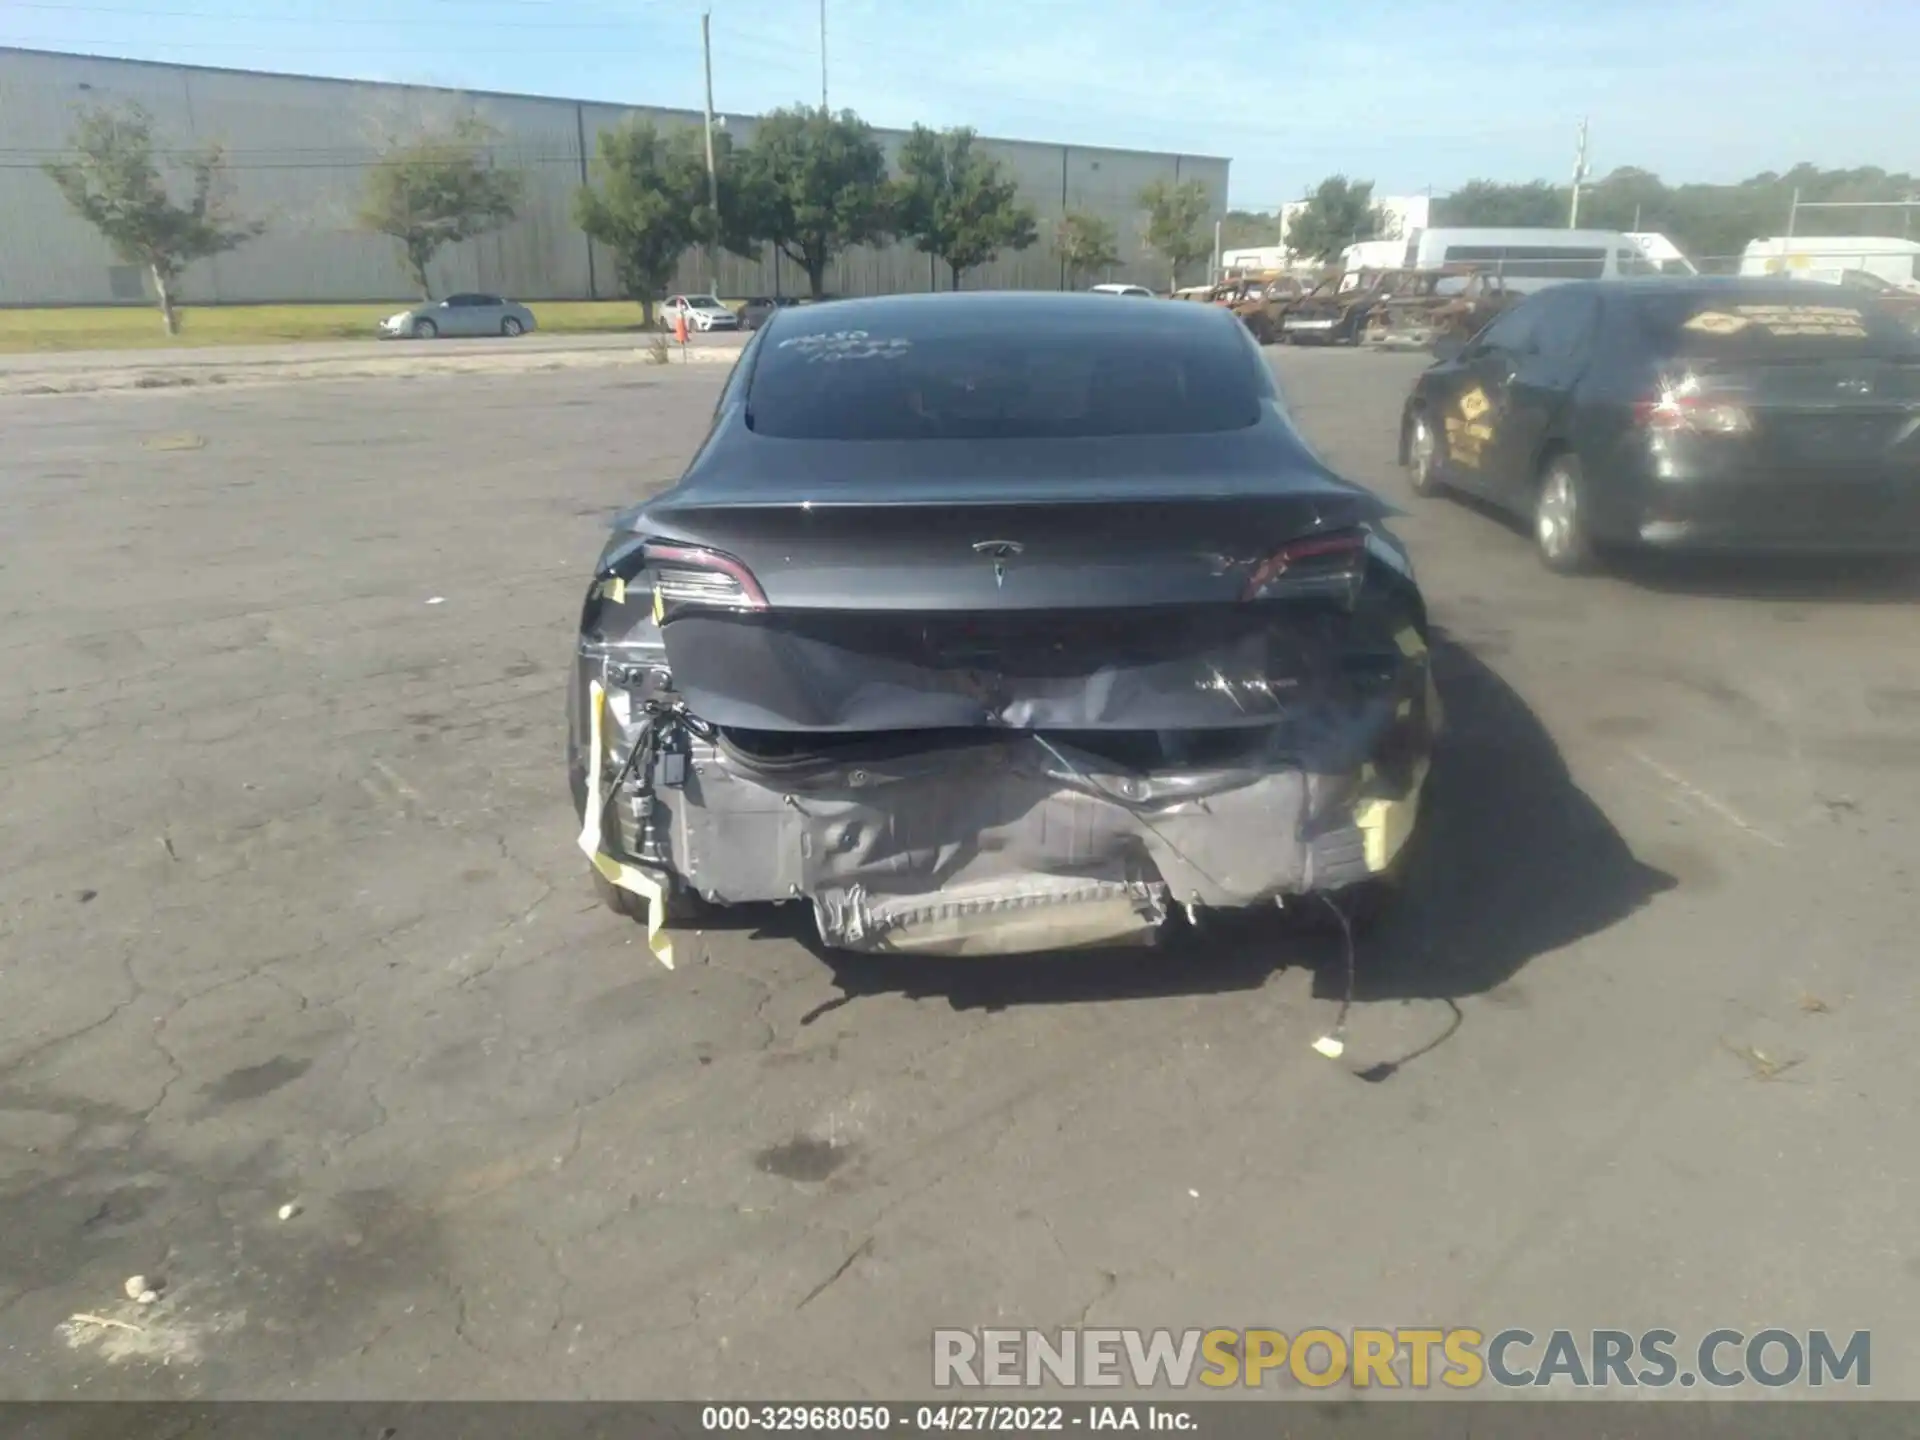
[299, 149]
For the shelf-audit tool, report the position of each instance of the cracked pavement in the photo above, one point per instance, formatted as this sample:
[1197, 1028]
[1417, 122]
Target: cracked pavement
[292, 914]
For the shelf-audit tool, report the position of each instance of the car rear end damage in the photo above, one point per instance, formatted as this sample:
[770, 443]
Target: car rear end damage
[931, 783]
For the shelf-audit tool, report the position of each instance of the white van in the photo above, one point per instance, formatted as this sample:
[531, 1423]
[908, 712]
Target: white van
[1374, 255]
[1532, 259]
[1828, 257]
[1666, 256]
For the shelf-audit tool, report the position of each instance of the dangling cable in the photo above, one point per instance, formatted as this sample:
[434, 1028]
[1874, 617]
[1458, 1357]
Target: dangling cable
[1334, 1044]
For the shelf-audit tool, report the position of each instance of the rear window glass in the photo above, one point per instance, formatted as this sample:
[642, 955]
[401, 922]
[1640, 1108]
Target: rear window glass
[1005, 383]
[1836, 323]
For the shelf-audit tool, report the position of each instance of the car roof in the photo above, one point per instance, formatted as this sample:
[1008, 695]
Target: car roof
[929, 313]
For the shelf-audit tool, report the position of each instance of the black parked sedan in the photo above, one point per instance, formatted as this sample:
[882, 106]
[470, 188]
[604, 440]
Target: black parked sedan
[999, 623]
[1682, 414]
[762, 308]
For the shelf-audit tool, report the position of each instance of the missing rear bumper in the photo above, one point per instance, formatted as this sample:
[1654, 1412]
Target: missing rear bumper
[983, 842]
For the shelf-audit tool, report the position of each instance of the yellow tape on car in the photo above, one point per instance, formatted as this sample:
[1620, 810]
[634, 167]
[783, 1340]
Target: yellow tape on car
[625, 876]
[1386, 824]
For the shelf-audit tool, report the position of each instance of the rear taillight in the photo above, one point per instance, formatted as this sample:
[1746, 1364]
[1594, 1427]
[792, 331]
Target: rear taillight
[1327, 566]
[685, 575]
[1676, 411]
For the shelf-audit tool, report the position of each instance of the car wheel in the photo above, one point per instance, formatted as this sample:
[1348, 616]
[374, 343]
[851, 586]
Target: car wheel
[425, 329]
[511, 326]
[683, 906]
[1423, 456]
[1560, 530]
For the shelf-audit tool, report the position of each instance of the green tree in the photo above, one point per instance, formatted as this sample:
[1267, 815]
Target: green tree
[649, 203]
[1176, 228]
[438, 187]
[1249, 229]
[813, 184]
[1339, 213]
[1087, 243]
[1535, 204]
[957, 203]
[114, 183]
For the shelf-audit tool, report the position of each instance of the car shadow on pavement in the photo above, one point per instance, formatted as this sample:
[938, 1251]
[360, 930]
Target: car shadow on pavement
[1850, 581]
[1511, 860]
[1790, 579]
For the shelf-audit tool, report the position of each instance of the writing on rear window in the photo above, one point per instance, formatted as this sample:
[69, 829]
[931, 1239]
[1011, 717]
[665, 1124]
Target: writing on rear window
[846, 345]
[996, 382]
[1838, 321]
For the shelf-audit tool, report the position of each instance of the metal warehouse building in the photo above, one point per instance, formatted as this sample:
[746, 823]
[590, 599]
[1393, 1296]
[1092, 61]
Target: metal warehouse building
[299, 149]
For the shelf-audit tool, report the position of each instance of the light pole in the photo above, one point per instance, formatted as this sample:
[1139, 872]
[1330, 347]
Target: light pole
[1579, 174]
[713, 175]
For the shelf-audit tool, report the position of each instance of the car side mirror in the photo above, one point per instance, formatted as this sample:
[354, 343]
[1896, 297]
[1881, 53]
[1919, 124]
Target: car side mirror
[1449, 347]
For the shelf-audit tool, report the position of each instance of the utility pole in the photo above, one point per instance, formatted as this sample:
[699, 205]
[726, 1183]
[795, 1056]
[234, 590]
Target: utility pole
[713, 175]
[823, 57]
[1579, 174]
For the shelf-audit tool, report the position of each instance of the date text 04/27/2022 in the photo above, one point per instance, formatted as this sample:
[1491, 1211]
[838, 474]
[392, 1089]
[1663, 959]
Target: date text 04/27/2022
[944, 1418]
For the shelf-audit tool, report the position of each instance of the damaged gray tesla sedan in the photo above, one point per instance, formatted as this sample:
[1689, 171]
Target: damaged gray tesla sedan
[999, 623]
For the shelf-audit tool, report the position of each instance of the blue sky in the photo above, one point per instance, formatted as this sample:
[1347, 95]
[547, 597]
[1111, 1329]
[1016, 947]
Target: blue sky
[1408, 93]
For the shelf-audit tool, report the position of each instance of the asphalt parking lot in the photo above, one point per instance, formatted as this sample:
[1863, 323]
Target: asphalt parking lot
[292, 916]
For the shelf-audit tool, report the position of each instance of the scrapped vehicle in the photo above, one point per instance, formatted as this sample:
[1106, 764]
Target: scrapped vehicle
[1433, 303]
[1242, 290]
[703, 312]
[759, 309]
[1682, 414]
[1263, 313]
[1334, 311]
[1000, 623]
[465, 315]
[1193, 292]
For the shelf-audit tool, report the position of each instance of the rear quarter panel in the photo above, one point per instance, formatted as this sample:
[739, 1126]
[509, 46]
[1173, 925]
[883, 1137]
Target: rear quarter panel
[1599, 425]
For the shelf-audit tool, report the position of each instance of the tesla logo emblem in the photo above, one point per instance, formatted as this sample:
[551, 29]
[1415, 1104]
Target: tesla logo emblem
[998, 551]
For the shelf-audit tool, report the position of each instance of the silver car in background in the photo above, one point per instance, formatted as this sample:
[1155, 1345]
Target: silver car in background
[458, 315]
